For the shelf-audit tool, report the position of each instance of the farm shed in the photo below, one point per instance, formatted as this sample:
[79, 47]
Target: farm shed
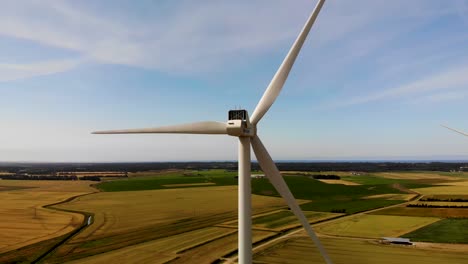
[397, 240]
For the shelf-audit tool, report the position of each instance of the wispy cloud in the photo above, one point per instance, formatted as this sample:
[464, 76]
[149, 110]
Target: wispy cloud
[9, 72]
[206, 33]
[453, 78]
[441, 97]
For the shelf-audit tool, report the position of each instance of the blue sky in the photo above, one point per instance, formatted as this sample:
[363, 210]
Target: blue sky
[373, 81]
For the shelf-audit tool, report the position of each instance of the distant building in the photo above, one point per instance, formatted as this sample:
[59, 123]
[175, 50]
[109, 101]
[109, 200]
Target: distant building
[258, 176]
[397, 240]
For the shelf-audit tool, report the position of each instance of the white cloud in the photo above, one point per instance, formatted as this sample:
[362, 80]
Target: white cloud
[202, 33]
[9, 71]
[453, 78]
[441, 97]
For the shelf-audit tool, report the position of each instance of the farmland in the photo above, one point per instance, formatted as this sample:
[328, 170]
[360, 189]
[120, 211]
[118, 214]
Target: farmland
[24, 220]
[417, 211]
[326, 197]
[186, 215]
[301, 250]
[375, 226]
[126, 218]
[281, 220]
[444, 231]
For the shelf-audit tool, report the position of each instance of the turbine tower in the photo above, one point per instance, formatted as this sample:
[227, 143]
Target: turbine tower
[240, 125]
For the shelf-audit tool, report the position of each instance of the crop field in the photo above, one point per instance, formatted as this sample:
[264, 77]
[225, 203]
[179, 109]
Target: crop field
[418, 211]
[375, 226]
[286, 219]
[24, 221]
[344, 182]
[448, 190]
[183, 216]
[418, 176]
[444, 231]
[349, 206]
[446, 197]
[301, 250]
[176, 179]
[215, 243]
[127, 218]
[280, 220]
[345, 197]
[392, 196]
[442, 203]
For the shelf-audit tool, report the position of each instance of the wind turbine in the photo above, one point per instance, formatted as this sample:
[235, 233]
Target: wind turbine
[240, 125]
[458, 131]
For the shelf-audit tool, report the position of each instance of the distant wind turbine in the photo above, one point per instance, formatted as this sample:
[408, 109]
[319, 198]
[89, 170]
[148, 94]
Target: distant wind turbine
[239, 125]
[458, 131]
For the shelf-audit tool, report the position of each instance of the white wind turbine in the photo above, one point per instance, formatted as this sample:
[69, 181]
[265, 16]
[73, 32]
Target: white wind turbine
[239, 125]
[458, 131]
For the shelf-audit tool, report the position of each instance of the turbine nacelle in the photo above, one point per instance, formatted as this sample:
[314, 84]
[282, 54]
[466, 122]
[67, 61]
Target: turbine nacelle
[239, 124]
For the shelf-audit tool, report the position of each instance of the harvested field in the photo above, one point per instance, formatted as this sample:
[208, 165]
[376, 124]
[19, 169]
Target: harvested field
[375, 226]
[282, 219]
[444, 203]
[447, 190]
[286, 219]
[352, 251]
[126, 218]
[162, 249]
[418, 211]
[457, 183]
[24, 221]
[416, 176]
[188, 184]
[392, 196]
[344, 182]
[446, 197]
[184, 248]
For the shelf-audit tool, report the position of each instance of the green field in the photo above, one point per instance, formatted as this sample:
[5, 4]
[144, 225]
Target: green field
[351, 251]
[325, 197]
[444, 231]
[158, 181]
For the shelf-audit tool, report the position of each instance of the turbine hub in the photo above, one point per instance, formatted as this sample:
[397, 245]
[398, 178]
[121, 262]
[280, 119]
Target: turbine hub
[238, 124]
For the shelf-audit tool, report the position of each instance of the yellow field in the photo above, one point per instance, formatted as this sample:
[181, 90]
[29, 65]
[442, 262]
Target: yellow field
[457, 183]
[189, 184]
[23, 221]
[416, 176]
[449, 190]
[375, 226]
[420, 211]
[353, 251]
[167, 248]
[126, 218]
[392, 196]
[184, 248]
[442, 203]
[344, 182]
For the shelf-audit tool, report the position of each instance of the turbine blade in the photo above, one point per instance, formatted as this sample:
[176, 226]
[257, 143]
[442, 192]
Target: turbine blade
[458, 131]
[273, 174]
[276, 84]
[207, 127]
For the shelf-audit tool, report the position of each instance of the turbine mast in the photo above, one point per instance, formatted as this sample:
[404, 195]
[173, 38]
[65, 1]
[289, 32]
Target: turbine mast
[245, 202]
